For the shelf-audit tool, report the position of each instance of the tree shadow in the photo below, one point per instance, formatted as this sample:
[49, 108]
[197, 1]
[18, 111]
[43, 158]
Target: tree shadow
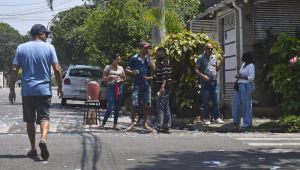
[249, 159]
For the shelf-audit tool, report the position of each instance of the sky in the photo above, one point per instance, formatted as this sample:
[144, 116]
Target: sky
[22, 15]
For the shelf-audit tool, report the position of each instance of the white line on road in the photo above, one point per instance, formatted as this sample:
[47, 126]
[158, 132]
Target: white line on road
[268, 139]
[273, 144]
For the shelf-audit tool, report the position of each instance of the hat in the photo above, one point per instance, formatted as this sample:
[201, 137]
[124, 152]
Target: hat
[38, 28]
[144, 44]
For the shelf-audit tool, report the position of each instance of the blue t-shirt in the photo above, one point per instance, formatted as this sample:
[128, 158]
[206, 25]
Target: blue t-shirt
[35, 59]
[208, 66]
[143, 67]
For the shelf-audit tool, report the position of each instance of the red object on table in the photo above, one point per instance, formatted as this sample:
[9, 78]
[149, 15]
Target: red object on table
[93, 91]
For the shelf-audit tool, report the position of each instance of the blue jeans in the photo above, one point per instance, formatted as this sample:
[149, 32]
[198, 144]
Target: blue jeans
[113, 103]
[163, 111]
[242, 103]
[212, 90]
[141, 92]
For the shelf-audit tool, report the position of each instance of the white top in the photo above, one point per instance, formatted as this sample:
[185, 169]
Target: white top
[248, 71]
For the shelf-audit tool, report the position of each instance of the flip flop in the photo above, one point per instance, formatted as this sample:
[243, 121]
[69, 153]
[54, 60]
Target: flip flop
[147, 128]
[130, 128]
[32, 153]
[44, 150]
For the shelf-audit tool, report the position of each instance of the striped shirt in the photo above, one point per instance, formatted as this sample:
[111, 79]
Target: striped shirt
[164, 71]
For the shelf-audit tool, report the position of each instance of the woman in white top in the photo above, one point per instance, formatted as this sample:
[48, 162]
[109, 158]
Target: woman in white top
[114, 74]
[242, 100]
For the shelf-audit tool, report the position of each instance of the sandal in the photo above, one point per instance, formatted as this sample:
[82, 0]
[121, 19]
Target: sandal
[44, 150]
[147, 128]
[116, 127]
[32, 153]
[130, 128]
[154, 132]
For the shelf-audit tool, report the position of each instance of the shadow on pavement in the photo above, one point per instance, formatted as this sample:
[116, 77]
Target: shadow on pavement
[35, 158]
[249, 159]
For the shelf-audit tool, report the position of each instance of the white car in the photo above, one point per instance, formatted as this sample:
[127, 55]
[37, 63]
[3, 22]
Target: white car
[76, 80]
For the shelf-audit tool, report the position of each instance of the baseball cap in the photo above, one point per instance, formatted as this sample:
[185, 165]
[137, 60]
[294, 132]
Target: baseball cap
[144, 44]
[38, 28]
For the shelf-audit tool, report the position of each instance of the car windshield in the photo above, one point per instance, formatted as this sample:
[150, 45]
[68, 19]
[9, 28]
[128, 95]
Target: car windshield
[86, 73]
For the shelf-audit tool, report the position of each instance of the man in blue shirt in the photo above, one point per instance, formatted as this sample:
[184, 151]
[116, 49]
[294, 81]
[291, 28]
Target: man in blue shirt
[209, 65]
[142, 65]
[35, 58]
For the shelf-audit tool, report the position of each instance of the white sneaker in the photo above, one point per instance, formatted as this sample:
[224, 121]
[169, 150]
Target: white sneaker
[207, 121]
[220, 121]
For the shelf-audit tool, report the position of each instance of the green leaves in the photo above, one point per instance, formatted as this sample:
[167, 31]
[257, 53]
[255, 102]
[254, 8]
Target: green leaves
[183, 50]
[285, 82]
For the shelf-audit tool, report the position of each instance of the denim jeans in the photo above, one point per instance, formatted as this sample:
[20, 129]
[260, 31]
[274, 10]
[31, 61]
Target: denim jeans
[113, 103]
[163, 111]
[141, 92]
[212, 90]
[242, 103]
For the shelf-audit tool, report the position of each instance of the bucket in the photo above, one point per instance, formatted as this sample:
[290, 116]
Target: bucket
[93, 90]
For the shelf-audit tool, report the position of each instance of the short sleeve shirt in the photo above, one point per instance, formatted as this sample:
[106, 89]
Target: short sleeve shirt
[111, 71]
[35, 59]
[208, 66]
[143, 67]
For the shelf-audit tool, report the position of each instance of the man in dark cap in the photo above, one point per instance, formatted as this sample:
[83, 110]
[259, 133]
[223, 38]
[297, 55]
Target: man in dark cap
[35, 58]
[142, 65]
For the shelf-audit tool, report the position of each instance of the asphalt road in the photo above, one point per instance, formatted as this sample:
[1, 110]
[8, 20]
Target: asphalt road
[76, 146]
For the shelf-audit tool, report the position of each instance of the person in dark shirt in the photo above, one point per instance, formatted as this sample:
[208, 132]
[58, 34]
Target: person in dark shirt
[163, 86]
[141, 66]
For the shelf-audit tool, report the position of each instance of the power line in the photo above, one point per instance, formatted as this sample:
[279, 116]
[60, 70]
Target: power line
[40, 11]
[26, 4]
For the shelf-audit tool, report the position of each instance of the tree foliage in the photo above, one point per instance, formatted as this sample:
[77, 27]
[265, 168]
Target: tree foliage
[183, 50]
[117, 29]
[10, 38]
[69, 36]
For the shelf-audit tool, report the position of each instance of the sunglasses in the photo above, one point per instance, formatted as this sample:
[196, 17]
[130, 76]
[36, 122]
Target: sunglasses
[209, 48]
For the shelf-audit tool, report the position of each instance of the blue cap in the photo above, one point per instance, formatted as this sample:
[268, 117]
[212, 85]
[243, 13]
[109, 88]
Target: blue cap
[38, 28]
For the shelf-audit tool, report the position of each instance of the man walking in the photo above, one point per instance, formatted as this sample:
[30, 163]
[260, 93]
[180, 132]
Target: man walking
[142, 65]
[209, 65]
[35, 58]
[163, 86]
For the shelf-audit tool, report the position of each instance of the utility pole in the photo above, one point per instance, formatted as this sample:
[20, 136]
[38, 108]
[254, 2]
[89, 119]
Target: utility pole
[157, 34]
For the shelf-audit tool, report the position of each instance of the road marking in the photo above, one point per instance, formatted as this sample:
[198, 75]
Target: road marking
[273, 144]
[286, 150]
[268, 139]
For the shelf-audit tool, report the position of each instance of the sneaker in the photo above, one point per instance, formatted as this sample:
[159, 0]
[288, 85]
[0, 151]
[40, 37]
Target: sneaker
[207, 121]
[220, 121]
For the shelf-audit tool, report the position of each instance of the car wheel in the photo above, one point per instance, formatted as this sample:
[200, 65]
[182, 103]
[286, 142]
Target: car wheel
[63, 102]
[103, 104]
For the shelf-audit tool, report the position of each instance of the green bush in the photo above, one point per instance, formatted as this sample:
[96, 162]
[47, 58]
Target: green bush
[292, 122]
[286, 79]
[183, 50]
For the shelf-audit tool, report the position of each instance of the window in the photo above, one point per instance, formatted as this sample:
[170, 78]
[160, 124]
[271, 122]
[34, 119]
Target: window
[86, 73]
[280, 15]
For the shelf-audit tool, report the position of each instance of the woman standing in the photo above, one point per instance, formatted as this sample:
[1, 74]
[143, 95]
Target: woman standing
[114, 75]
[242, 100]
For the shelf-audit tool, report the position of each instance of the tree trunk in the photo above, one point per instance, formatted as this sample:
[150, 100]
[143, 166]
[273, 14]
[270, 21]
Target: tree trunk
[157, 34]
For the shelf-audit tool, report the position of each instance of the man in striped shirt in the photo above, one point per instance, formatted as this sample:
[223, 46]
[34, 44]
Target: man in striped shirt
[163, 86]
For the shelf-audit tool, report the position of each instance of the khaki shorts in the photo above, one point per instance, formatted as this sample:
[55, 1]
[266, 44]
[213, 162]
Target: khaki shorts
[36, 104]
